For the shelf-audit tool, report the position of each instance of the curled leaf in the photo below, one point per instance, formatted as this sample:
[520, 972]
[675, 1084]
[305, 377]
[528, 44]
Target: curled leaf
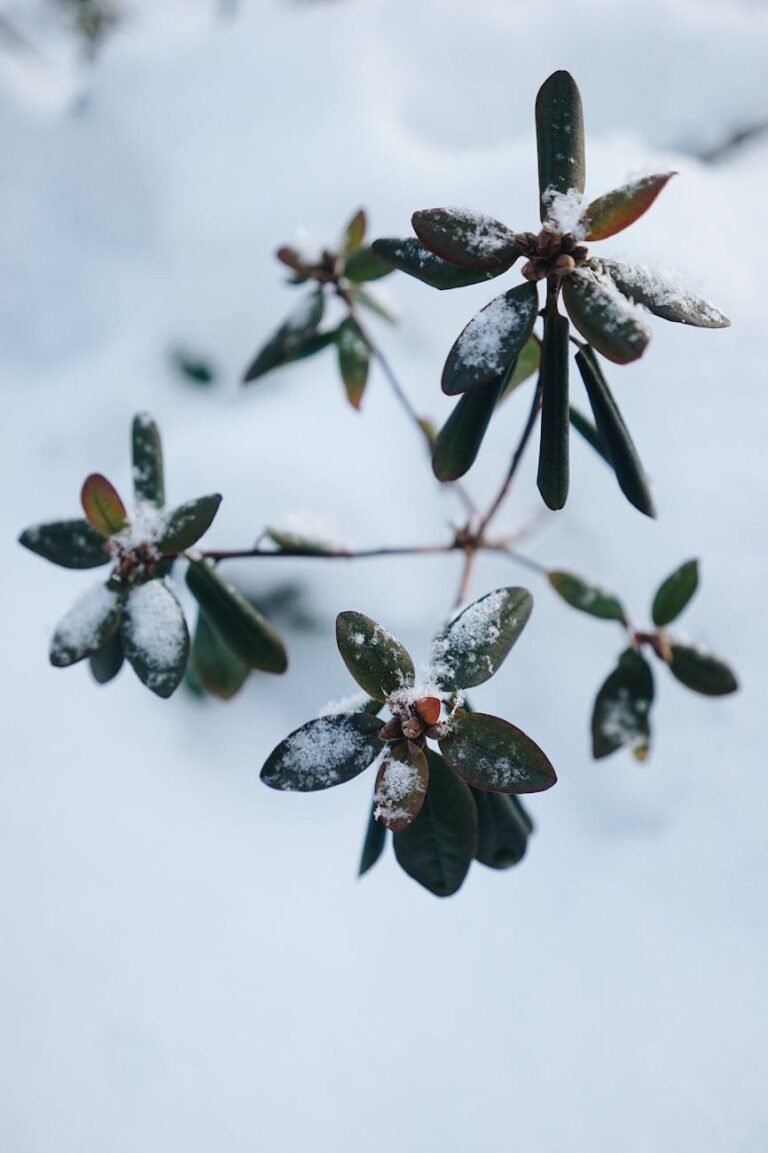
[458, 442]
[106, 663]
[373, 845]
[217, 667]
[503, 829]
[661, 295]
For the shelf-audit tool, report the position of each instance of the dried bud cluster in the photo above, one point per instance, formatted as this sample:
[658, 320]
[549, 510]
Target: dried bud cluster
[415, 723]
[551, 253]
[134, 564]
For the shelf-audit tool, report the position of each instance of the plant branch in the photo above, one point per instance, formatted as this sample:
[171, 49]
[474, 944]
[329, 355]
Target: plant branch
[517, 457]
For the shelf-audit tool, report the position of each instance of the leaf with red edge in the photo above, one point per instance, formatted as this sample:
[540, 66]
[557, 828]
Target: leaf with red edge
[102, 505]
[616, 210]
[604, 317]
[469, 239]
[354, 233]
[401, 786]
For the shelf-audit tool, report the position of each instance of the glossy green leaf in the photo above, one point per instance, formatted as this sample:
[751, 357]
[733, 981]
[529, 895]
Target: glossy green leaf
[553, 474]
[187, 523]
[364, 265]
[503, 829]
[217, 668]
[102, 505]
[242, 627]
[155, 636]
[614, 434]
[559, 138]
[621, 712]
[674, 593]
[294, 543]
[325, 752]
[354, 359]
[291, 339]
[604, 317]
[377, 661]
[589, 433]
[107, 662]
[92, 619]
[354, 233]
[616, 210]
[528, 362]
[458, 442]
[401, 786]
[373, 845]
[587, 597]
[438, 847]
[701, 671]
[473, 646]
[491, 342]
[661, 296]
[69, 543]
[148, 481]
[490, 753]
[412, 257]
[469, 239]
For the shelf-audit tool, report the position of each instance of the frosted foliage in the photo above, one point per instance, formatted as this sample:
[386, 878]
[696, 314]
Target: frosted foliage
[619, 311]
[81, 630]
[621, 720]
[323, 753]
[155, 628]
[484, 235]
[497, 770]
[565, 211]
[395, 790]
[483, 343]
[663, 288]
[142, 476]
[145, 527]
[469, 636]
[351, 704]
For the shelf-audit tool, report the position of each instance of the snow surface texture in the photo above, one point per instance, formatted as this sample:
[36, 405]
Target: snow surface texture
[189, 963]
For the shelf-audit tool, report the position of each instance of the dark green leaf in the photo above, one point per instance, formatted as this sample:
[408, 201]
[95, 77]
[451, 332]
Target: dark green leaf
[242, 628]
[674, 593]
[187, 523]
[469, 239]
[86, 627]
[490, 343]
[553, 474]
[528, 362]
[192, 367]
[364, 264]
[587, 430]
[155, 636]
[102, 505]
[354, 233]
[69, 543]
[325, 752]
[490, 753]
[622, 707]
[503, 829]
[438, 847]
[661, 297]
[589, 598]
[373, 845]
[604, 316]
[148, 483]
[614, 434]
[401, 786]
[559, 138]
[616, 210]
[459, 440]
[218, 669]
[354, 359]
[472, 647]
[291, 338]
[412, 257]
[107, 662]
[377, 661]
[701, 671]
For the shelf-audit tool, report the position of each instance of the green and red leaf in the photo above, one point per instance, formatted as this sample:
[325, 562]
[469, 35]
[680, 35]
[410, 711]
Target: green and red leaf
[102, 505]
[616, 210]
[354, 359]
[401, 786]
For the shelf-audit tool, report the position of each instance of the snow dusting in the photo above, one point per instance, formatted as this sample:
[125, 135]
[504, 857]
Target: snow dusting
[484, 342]
[622, 310]
[467, 637]
[565, 211]
[397, 783]
[155, 628]
[83, 628]
[483, 235]
[321, 754]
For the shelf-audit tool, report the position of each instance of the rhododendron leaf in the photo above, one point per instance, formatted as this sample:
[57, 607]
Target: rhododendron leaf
[490, 753]
[155, 636]
[187, 523]
[661, 296]
[354, 233]
[559, 138]
[586, 597]
[354, 359]
[292, 542]
[604, 317]
[553, 473]
[469, 239]
[401, 786]
[528, 361]
[621, 712]
[458, 442]
[93, 618]
[377, 661]
[472, 646]
[701, 671]
[69, 543]
[289, 342]
[412, 257]
[503, 829]
[488, 346]
[218, 669]
[325, 752]
[674, 593]
[588, 432]
[616, 210]
[365, 264]
[102, 505]
[107, 662]
[373, 845]
[148, 480]
[238, 623]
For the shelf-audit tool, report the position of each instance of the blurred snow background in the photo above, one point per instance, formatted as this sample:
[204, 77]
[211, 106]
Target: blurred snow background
[189, 963]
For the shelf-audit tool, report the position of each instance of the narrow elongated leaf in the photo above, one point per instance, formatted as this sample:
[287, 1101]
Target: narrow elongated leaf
[559, 138]
[701, 671]
[674, 593]
[102, 505]
[621, 713]
[589, 433]
[401, 786]
[616, 210]
[614, 434]
[325, 752]
[492, 340]
[187, 523]
[469, 239]
[360, 295]
[377, 661]
[218, 669]
[107, 662]
[69, 543]
[437, 848]
[242, 628]
[365, 264]
[412, 257]
[155, 636]
[472, 646]
[587, 597]
[604, 317]
[528, 362]
[373, 845]
[354, 359]
[291, 338]
[490, 753]
[458, 442]
[503, 829]
[148, 478]
[354, 233]
[553, 474]
[86, 627]
[661, 296]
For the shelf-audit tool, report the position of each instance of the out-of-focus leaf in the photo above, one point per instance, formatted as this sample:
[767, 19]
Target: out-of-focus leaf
[292, 542]
[86, 627]
[148, 482]
[412, 257]
[553, 474]
[155, 636]
[614, 434]
[354, 359]
[289, 342]
[490, 753]
[242, 628]
[616, 210]
[469, 239]
[604, 317]
[559, 138]
[401, 786]
[622, 707]
[69, 543]
[325, 752]
[438, 847]
[354, 233]
[472, 646]
[102, 505]
[503, 829]
[660, 296]
[373, 845]
[187, 523]
[674, 593]
[218, 669]
[701, 671]
[587, 597]
[587, 430]
[107, 662]
[458, 442]
[192, 367]
[359, 295]
[492, 340]
[528, 361]
[365, 264]
[377, 661]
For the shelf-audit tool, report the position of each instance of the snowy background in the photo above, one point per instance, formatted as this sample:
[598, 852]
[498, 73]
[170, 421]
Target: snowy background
[189, 962]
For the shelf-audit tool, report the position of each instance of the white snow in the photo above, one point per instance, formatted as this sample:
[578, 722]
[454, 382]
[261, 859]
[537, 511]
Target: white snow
[484, 342]
[154, 625]
[397, 782]
[317, 751]
[565, 210]
[81, 628]
[484, 235]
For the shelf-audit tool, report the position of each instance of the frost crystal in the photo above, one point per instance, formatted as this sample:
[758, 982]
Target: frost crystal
[482, 344]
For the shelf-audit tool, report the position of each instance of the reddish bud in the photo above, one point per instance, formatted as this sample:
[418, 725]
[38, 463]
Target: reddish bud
[428, 709]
